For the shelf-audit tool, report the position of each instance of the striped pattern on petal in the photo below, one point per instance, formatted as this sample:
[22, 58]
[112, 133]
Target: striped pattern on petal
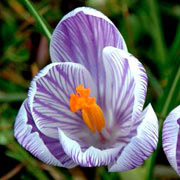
[141, 146]
[49, 98]
[117, 89]
[171, 138]
[90, 157]
[140, 77]
[80, 37]
[44, 148]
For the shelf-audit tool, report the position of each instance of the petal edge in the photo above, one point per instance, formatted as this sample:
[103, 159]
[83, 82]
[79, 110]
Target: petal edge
[141, 146]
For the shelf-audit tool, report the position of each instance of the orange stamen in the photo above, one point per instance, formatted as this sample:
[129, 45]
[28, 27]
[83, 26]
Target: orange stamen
[91, 113]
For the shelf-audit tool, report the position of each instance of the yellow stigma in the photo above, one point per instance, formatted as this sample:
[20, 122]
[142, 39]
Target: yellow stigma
[91, 113]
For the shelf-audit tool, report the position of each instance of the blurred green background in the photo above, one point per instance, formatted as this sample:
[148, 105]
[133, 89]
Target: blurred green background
[151, 30]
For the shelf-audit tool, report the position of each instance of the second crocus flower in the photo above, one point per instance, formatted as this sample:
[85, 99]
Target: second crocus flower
[171, 138]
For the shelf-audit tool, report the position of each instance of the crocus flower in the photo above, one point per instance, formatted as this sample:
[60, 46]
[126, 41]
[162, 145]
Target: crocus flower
[171, 138]
[85, 108]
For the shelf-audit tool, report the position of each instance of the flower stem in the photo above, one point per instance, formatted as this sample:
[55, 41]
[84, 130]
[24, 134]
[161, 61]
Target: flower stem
[41, 22]
[152, 159]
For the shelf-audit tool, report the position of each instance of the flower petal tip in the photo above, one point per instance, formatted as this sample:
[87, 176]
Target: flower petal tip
[87, 11]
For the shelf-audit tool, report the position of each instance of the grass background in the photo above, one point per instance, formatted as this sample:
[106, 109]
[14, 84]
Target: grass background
[151, 30]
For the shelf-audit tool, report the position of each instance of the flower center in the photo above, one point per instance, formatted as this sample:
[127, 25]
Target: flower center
[92, 114]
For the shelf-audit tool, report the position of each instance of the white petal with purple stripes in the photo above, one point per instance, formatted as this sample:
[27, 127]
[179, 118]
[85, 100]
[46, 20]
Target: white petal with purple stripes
[81, 36]
[171, 138]
[142, 145]
[139, 74]
[116, 90]
[90, 157]
[44, 148]
[49, 98]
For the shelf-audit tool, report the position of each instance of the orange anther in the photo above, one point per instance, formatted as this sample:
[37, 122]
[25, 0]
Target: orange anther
[91, 113]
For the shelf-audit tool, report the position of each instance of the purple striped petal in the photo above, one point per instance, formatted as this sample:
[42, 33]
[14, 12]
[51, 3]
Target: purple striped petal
[81, 36]
[91, 156]
[141, 146]
[171, 138]
[44, 148]
[139, 74]
[117, 90]
[49, 99]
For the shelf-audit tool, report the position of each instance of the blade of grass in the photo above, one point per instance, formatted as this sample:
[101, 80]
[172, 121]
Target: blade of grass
[151, 161]
[39, 19]
[12, 97]
[175, 46]
[157, 30]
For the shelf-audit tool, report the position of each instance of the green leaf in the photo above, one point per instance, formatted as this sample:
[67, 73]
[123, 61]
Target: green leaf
[12, 97]
[39, 19]
[135, 174]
